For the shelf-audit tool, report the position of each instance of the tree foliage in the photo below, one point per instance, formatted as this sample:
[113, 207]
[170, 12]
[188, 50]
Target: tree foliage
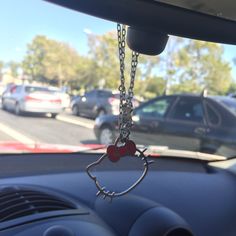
[185, 66]
[1, 68]
[232, 88]
[14, 68]
[103, 51]
[51, 60]
[201, 65]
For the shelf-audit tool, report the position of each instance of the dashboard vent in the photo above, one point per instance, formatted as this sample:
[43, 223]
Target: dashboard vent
[18, 202]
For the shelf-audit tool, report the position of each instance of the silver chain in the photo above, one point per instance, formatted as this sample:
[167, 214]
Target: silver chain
[125, 120]
[126, 105]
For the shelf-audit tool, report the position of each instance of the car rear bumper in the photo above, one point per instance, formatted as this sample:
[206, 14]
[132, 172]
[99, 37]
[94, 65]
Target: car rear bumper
[40, 108]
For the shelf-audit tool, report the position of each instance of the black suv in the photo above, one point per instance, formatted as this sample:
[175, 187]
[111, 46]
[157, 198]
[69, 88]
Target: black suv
[188, 122]
[97, 102]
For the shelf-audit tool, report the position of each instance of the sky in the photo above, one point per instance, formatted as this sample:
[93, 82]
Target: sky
[21, 21]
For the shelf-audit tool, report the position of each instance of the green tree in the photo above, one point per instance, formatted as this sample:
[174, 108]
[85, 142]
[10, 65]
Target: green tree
[14, 68]
[103, 51]
[87, 78]
[1, 68]
[185, 66]
[33, 61]
[232, 88]
[167, 66]
[153, 86]
[201, 65]
[51, 60]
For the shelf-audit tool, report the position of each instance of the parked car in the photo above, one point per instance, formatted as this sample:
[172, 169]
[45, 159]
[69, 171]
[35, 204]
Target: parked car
[64, 96]
[73, 104]
[96, 103]
[188, 122]
[28, 98]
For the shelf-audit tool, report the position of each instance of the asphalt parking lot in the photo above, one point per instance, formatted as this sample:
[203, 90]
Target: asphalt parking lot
[65, 129]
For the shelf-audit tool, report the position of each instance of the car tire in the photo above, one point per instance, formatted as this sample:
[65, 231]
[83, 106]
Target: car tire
[3, 106]
[75, 110]
[106, 136]
[101, 112]
[53, 115]
[17, 110]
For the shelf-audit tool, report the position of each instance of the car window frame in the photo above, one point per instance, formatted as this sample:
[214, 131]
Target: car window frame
[207, 103]
[169, 118]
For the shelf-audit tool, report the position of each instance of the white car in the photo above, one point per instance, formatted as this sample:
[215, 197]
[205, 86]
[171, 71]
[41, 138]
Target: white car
[35, 99]
[65, 97]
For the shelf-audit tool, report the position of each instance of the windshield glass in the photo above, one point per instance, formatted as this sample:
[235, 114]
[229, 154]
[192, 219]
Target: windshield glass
[60, 77]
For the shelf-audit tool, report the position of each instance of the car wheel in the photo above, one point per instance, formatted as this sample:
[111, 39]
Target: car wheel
[75, 110]
[3, 106]
[101, 112]
[17, 110]
[106, 136]
[54, 115]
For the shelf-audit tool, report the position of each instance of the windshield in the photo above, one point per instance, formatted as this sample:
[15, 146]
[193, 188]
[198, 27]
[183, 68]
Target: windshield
[60, 77]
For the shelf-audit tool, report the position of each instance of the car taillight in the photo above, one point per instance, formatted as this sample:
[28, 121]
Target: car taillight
[33, 99]
[55, 100]
[113, 101]
[29, 98]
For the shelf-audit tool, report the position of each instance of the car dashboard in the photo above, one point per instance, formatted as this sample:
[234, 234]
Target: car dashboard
[51, 194]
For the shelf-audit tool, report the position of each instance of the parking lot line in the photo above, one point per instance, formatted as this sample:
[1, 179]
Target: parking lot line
[15, 135]
[74, 121]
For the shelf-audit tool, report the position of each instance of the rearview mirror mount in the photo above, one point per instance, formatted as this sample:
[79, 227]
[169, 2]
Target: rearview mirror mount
[144, 42]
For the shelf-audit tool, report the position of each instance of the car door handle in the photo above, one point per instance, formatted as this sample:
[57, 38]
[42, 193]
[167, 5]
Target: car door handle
[200, 130]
